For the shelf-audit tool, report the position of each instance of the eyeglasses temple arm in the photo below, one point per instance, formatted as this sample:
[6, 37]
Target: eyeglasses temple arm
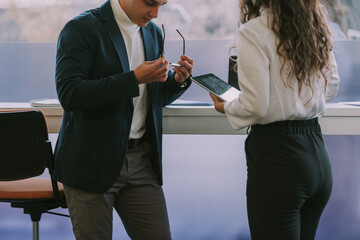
[183, 41]
[163, 42]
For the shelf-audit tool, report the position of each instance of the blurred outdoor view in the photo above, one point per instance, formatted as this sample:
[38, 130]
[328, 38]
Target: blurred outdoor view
[42, 20]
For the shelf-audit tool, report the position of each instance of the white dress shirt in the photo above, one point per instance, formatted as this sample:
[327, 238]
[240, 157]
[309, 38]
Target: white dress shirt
[135, 51]
[264, 98]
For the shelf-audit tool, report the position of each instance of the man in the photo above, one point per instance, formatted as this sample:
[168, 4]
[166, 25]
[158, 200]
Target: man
[112, 81]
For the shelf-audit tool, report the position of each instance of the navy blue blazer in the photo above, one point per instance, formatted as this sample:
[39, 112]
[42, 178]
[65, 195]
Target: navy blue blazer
[95, 87]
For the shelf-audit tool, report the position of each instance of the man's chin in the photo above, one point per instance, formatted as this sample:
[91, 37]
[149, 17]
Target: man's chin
[143, 22]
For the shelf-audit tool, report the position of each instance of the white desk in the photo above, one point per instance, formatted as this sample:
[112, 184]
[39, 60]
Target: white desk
[339, 119]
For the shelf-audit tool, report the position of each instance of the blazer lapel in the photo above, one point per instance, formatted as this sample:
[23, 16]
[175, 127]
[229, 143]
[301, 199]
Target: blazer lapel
[149, 54]
[148, 44]
[107, 15]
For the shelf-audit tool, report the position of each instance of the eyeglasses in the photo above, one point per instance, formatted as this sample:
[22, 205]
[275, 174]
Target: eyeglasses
[163, 43]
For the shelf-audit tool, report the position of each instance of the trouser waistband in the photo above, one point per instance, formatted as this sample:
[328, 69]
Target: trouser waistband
[289, 126]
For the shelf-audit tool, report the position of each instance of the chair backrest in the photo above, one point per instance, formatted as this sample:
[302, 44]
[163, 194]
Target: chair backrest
[25, 150]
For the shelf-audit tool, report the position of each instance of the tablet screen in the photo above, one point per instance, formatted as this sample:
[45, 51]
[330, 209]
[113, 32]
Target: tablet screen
[217, 86]
[213, 83]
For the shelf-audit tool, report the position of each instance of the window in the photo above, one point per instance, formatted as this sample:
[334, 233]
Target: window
[345, 15]
[42, 20]
[38, 20]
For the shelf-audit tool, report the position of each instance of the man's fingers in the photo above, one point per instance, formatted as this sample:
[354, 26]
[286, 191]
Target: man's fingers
[156, 63]
[160, 74]
[183, 72]
[179, 71]
[187, 62]
[187, 58]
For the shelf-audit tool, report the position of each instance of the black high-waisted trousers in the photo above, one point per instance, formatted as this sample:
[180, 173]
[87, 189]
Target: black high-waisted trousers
[289, 180]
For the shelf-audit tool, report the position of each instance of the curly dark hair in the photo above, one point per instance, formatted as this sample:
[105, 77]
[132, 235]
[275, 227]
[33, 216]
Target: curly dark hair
[303, 36]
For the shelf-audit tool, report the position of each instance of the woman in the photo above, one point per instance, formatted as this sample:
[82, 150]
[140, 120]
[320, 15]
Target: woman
[286, 71]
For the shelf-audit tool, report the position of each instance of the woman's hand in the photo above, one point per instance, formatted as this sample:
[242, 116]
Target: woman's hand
[218, 103]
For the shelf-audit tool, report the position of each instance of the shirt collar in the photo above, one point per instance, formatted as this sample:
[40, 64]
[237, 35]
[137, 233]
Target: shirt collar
[121, 17]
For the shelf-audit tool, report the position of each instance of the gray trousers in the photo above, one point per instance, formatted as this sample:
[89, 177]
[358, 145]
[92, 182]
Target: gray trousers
[136, 196]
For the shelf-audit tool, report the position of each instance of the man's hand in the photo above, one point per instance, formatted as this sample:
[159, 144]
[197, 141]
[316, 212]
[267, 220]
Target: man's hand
[184, 72]
[218, 103]
[152, 71]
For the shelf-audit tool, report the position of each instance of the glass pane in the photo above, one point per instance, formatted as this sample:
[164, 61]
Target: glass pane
[42, 20]
[345, 18]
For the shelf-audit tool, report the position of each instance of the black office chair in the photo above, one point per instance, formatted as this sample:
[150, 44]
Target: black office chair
[25, 152]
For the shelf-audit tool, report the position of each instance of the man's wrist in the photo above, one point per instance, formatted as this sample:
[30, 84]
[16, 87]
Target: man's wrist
[183, 84]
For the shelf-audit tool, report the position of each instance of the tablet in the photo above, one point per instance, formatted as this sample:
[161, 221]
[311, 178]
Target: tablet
[217, 86]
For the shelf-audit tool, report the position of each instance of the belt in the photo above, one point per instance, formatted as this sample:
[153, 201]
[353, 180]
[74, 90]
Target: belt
[134, 142]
